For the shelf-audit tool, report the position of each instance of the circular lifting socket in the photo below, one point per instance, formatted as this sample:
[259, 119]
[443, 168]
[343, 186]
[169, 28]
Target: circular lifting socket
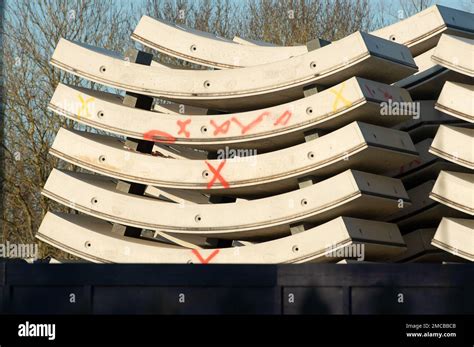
[198, 218]
[103, 69]
[207, 84]
[392, 38]
[193, 48]
[204, 129]
[102, 158]
[94, 201]
[310, 155]
[304, 202]
[100, 114]
[295, 249]
[309, 110]
[312, 65]
[87, 244]
[205, 174]
[190, 261]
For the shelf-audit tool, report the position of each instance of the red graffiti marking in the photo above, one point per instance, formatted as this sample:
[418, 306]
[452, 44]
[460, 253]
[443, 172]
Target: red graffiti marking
[370, 90]
[208, 259]
[284, 118]
[414, 162]
[153, 134]
[386, 94]
[252, 124]
[217, 175]
[182, 127]
[223, 128]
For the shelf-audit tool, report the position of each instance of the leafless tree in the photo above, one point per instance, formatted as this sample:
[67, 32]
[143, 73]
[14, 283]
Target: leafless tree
[31, 32]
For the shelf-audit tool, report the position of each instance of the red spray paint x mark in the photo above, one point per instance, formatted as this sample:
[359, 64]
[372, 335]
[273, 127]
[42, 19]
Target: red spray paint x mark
[153, 134]
[208, 259]
[223, 128]
[182, 127]
[217, 175]
[284, 118]
[252, 124]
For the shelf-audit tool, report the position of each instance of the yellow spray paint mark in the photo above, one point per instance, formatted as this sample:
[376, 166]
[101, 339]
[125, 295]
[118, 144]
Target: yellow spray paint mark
[339, 96]
[84, 109]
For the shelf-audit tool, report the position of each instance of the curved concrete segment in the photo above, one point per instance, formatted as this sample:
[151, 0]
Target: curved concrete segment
[420, 250]
[419, 32]
[92, 239]
[427, 83]
[455, 144]
[426, 167]
[357, 145]
[456, 236]
[364, 55]
[422, 212]
[457, 100]
[351, 193]
[263, 129]
[427, 124]
[455, 189]
[455, 53]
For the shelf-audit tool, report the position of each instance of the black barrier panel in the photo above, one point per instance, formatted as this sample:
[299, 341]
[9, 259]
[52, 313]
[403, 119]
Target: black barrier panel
[313, 300]
[414, 300]
[185, 300]
[1, 300]
[143, 274]
[48, 300]
[365, 275]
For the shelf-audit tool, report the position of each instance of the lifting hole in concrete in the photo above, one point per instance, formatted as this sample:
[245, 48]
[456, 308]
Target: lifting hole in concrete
[87, 244]
[207, 84]
[311, 155]
[193, 48]
[198, 218]
[102, 158]
[103, 69]
[392, 38]
[204, 129]
[295, 249]
[312, 65]
[309, 110]
[94, 201]
[205, 174]
[100, 114]
[304, 202]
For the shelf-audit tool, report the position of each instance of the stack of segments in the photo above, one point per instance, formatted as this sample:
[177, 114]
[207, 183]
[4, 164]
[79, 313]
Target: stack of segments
[301, 158]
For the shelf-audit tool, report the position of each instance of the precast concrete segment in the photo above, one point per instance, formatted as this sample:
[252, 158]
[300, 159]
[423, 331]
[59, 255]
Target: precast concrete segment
[419, 32]
[351, 193]
[91, 239]
[358, 146]
[426, 167]
[426, 124]
[251, 42]
[456, 190]
[263, 129]
[419, 249]
[457, 100]
[427, 83]
[455, 144]
[260, 86]
[456, 236]
[423, 212]
[455, 53]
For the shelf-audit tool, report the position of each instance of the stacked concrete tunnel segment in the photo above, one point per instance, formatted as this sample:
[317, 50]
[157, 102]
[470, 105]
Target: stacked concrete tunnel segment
[365, 142]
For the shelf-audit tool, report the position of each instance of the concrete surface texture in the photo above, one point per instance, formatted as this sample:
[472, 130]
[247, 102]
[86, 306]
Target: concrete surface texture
[358, 150]
[419, 33]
